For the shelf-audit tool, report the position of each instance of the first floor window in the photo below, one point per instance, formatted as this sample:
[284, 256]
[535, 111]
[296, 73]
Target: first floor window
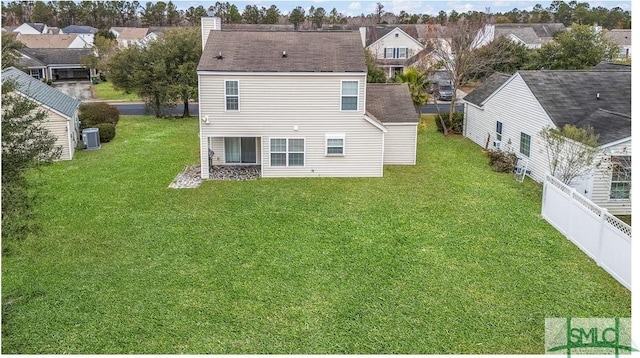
[231, 95]
[287, 152]
[525, 144]
[620, 177]
[335, 144]
[499, 130]
[240, 150]
[349, 96]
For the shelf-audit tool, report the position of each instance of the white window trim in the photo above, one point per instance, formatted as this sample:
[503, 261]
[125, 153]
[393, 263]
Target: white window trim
[611, 181]
[287, 152]
[499, 134]
[224, 151]
[530, 144]
[334, 136]
[357, 96]
[227, 96]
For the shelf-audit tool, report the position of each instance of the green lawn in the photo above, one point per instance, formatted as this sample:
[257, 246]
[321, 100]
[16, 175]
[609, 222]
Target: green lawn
[441, 257]
[104, 91]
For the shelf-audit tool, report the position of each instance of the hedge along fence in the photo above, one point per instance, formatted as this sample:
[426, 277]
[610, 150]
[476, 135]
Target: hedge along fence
[100, 115]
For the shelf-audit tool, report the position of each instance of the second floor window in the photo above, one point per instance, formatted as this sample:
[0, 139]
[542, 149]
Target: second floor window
[396, 52]
[349, 96]
[231, 95]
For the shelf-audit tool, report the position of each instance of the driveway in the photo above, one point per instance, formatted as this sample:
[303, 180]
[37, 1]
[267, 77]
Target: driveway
[80, 90]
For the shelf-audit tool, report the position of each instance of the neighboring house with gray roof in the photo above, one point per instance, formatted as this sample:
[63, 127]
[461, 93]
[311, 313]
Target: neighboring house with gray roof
[31, 28]
[87, 33]
[530, 35]
[56, 64]
[509, 112]
[61, 110]
[396, 47]
[622, 38]
[297, 105]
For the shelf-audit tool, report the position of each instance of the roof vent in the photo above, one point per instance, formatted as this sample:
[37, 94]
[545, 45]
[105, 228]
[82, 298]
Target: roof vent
[220, 57]
[284, 54]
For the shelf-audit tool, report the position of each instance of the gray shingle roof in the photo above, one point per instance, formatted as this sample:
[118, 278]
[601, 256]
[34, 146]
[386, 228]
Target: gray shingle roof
[41, 93]
[391, 103]
[525, 34]
[38, 26]
[621, 37]
[79, 29]
[490, 85]
[611, 66]
[58, 56]
[609, 125]
[262, 52]
[570, 96]
[544, 31]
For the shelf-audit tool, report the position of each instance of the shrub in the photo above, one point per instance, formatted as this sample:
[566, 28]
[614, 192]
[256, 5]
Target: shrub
[502, 161]
[107, 131]
[454, 126]
[94, 113]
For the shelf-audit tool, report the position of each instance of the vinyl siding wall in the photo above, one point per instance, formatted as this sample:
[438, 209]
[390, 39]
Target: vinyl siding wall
[390, 40]
[602, 183]
[400, 143]
[291, 106]
[60, 127]
[519, 111]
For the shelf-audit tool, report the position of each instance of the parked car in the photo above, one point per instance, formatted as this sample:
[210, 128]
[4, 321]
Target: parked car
[444, 92]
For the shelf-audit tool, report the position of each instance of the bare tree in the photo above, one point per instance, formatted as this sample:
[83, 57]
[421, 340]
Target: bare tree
[379, 12]
[456, 47]
[570, 151]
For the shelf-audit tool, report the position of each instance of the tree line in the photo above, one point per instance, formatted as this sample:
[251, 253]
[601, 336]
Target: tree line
[104, 14]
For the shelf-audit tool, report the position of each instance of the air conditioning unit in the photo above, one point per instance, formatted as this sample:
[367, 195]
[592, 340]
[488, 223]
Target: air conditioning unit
[91, 138]
[497, 144]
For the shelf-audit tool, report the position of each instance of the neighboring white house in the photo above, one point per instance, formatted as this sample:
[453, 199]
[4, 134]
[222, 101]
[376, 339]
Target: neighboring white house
[394, 47]
[297, 104]
[622, 38]
[509, 112]
[532, 35]
[61, 110]
[31, 28]
[136, 36]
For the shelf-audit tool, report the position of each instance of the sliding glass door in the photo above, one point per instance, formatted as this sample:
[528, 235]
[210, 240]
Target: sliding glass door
[240, 150]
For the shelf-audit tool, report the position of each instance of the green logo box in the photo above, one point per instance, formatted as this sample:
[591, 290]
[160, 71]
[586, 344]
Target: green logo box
[581, 336]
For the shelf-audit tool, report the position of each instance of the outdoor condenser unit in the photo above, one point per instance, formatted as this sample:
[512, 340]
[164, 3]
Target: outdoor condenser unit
[91, 138]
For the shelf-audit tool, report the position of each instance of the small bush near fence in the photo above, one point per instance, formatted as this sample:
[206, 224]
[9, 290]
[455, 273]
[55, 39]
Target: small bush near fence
[454, 126]
[501, 161]
[98, 112]
[107, 131]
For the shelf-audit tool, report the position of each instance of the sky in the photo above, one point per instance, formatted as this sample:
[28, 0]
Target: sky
[357, 7]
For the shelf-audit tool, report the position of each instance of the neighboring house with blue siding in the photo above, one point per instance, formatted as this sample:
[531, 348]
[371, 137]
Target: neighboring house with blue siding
[509, 112]
[297, 104]
[61, 110]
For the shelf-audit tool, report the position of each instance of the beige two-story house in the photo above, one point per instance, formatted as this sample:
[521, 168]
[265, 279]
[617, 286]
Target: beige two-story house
[297, 104]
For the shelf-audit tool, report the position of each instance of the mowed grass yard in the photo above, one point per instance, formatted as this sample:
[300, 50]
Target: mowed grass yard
[105, 91]
[442, 257]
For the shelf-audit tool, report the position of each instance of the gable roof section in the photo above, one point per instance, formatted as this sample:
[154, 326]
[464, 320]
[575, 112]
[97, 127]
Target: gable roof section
[250, 51]
[391, 103]
[610, 126]
[38, 26]
[479, 95]
[79, 29]
[58, 56]
[574, 97]
[47, 40]
[621, 37]
[526, 35]
[132, 33]
[543, 31]
[378, 32]
[41, 93]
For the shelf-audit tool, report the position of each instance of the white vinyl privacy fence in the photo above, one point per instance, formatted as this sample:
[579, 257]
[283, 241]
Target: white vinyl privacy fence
[602, 236]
